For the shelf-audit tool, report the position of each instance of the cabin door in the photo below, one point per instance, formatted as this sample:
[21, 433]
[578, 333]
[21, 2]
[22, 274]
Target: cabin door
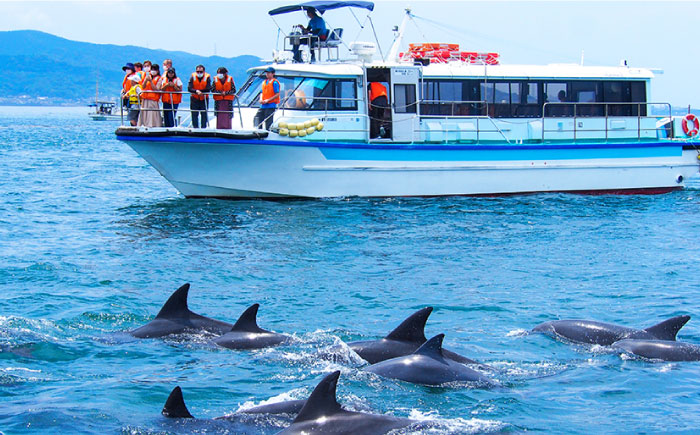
[404, 102]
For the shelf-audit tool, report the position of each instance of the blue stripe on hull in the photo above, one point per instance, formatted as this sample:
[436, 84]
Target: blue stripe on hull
[457, 152]
[515, 153]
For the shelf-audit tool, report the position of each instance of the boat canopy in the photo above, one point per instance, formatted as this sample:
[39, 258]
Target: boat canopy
[322, 6]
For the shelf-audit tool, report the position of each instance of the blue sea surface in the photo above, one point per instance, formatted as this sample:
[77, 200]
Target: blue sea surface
[94, 241]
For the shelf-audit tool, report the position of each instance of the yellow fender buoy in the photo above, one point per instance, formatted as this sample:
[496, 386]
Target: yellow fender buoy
[282, 125]
[310, 130]
[319, 126]
[293, 133]
[283, 132]
[302, 133]
[291, 126]
[315, 122]
[307, 124]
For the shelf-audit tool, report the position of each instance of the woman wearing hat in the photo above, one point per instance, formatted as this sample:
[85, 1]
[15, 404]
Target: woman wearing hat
[269, 99]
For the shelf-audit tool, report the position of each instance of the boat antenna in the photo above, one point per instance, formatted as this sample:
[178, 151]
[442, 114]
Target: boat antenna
[398, 39]
[582, 53]
[379, 46]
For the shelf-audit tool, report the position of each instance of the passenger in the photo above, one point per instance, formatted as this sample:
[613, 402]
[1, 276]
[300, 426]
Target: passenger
[138, 71]
[167, 64]
[199, 86]
[170, 82]
[565, 109]
[378, 102]
[134, 101]
[317, 28]
[126, 84]
[295, 100]
[146, 71]
[126, 94]
[269, 99]
[150, 112]
[224, 91]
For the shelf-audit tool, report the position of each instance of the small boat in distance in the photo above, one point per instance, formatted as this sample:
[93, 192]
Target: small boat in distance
[104, 110]
[456, 123]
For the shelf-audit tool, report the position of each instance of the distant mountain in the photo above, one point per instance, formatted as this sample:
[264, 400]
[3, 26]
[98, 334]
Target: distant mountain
[45, 69]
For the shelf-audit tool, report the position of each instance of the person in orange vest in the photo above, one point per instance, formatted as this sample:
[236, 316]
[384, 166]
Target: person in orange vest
[149, 115]
[269, 99]
[224, 91]
[167, 64]
[199, 86]
[129, 70]
[170, 82]
[378, 102]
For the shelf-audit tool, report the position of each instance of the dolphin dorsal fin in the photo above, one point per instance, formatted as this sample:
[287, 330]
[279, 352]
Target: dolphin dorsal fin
[413, 328]
[248, 321]
[668, 329]
[176, 304]
[322, 401]
[432, 347]
[175, 405]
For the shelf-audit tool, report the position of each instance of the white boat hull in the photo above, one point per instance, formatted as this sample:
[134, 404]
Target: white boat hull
[270, 169]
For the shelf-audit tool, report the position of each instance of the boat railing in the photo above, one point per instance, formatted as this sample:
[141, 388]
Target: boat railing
[481, 113]
[586, 110]
[187, 121]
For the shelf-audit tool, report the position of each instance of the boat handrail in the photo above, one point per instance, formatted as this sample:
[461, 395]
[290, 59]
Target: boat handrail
[606, 105]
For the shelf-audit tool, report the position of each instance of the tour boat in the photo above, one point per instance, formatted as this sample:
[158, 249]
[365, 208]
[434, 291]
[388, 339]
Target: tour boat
[457, 123]
[104, 110]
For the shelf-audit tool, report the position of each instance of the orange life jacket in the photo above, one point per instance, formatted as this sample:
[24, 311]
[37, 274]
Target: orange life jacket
[150, 86]
[268, 90]
[126, 83]
[376, 90]
[177, 98]
[142, 76]
[200, 85]
[226, 86]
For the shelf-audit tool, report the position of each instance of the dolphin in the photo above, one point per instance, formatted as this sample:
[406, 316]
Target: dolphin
[176, 318]
[666, 350]
[246, 334]
[605, 334]
[428, 366]
[175, 407]
[322, 414]
[404, 340]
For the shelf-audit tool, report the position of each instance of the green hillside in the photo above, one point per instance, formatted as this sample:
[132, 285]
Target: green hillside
[53, 70]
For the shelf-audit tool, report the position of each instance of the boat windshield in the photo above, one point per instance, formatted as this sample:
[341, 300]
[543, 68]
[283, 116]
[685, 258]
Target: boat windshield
[304, 93]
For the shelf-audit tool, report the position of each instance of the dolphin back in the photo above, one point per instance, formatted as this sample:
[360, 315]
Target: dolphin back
[413, 328]
[322, 402]
[665, 350]
[668, 329]
[175, 405]
[248, 322]
[176, 305]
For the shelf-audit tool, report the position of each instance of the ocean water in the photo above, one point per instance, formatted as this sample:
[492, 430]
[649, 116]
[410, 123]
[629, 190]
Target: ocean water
[93, 242]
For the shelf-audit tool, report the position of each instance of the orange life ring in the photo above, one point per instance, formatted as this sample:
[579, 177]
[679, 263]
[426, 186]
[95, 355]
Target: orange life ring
[687, 119]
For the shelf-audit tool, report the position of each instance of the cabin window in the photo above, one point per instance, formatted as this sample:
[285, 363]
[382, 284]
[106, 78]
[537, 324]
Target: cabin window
[346, 95]
[525, 100]
[304, 93]
[441, 97]
[618, 92]
[557, 94]
[587, 92]
[404, 98]
[639, 95]
[516, 99]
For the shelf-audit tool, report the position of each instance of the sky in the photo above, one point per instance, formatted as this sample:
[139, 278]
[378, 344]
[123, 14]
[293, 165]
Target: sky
[652, 34]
